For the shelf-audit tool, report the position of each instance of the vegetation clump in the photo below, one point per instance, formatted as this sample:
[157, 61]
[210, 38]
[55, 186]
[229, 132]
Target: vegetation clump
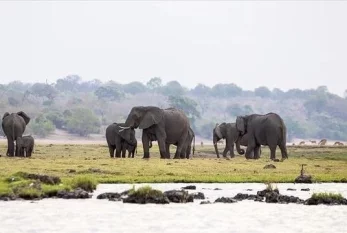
[84, 182]
[146, 194]
[326, 198]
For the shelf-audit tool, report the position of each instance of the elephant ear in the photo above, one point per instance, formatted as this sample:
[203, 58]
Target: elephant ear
[218, 132]
[240, 125]
[25, 116]
[152, 117]
[5, 115]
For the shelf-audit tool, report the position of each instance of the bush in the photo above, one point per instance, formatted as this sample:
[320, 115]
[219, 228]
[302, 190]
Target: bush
[84, 182]
[145, 191]
[324, 196]
[41, 126]
[83, 122]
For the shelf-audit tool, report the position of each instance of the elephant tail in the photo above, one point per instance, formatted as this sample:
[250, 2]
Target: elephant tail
[194, 145]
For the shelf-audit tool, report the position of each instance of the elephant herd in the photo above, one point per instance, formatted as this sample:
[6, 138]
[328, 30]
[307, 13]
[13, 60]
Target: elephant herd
[168, 127]
[14, 125]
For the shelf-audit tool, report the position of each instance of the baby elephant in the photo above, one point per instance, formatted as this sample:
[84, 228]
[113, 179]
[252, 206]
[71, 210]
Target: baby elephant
[25, 145]
[130, 148]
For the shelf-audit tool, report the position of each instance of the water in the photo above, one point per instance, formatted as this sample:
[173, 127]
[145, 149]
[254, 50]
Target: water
[92, 215]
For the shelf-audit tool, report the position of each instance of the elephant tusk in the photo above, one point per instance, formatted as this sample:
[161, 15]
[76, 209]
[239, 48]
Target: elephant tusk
[123, 127]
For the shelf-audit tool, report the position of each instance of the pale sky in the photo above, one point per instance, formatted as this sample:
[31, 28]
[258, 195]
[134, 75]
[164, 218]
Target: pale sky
[283, 44]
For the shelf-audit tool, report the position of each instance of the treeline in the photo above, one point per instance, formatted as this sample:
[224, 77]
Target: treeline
[86, 107]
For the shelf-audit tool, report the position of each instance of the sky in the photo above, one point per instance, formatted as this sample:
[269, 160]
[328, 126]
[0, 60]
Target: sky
[278, 44]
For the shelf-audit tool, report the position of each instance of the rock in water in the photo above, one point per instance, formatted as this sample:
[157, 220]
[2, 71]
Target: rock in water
[198, 195]
[225, 200]
[108, 196]
[192, 187]
[305, 179]
[179, 196]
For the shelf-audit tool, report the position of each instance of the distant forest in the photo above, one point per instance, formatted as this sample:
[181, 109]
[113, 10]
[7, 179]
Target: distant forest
[87, 107]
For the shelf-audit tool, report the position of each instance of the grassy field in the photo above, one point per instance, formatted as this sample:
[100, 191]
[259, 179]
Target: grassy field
[325, 164]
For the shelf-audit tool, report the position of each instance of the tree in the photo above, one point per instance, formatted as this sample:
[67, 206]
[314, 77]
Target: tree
[57, 118]
[238, 110]
[83, 122]
[187, 105]
[154, 83]
[110, 93]
[43, 90]
[68, 84]
[262, 92]
[226, 90]
[89, 86]
[134, 88]
[201, 90]
[41, 126]
[172, 88]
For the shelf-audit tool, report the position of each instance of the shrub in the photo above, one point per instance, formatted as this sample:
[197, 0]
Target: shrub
[83, 122]
[84, 182]
[145, 191]
[325, 195]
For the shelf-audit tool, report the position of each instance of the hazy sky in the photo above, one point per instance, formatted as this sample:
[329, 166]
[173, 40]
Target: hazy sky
[284, 44]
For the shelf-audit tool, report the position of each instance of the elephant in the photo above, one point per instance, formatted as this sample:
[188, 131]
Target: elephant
[268, 129]
[25, 145]
[167, 126]
[229, 132]
[132, 149]
[115, 136]
[14, 125]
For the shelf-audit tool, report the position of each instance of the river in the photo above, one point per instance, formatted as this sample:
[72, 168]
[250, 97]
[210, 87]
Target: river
[93, 215]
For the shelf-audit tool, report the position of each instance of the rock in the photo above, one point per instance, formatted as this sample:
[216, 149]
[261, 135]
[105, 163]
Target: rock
[125, 193]
[71, 170]
[265, 191]
[306, 179]
[274, 197]
[290, 189]
[178, 196]
[305, 189]
[43, 178]
[155, 197]
[198, 195]
[276, 160]
[325, 201]
[108, 196]
[243, 196]
[76, 194]
[96, 170]
[192, 187]
[217, 189]
[249, 189]
[205, 202]
[269, 166]
[225, 200]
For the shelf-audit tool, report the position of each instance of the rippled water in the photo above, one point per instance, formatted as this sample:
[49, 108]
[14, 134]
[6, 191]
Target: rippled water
[92, 215]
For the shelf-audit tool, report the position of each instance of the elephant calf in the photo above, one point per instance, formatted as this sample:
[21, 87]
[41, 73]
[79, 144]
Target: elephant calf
[25, 146]
[132, 149]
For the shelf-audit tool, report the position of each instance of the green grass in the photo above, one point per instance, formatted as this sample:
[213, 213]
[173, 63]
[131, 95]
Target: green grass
[145, 191]
[325, 164]
[325, 196]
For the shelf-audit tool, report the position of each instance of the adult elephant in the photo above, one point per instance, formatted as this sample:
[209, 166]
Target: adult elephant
[167, 126]
[229, 132]
[116, 135]
[14, 125]
[268, 129]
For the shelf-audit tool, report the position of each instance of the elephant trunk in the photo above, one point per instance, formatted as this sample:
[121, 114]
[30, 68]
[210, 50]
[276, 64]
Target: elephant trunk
[215, 145]
[238, 148]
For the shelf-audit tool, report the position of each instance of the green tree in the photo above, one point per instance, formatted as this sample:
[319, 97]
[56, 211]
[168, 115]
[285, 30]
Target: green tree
[154, 83]
[172, 88]
[238, 110]
[134, 88]
[109, 93]
[41, 126]
[57, 118]
[201, 90]
[262, 92]
[44, 90]
[83, 122]
[226, 90]
[68, 84]
[187, 105]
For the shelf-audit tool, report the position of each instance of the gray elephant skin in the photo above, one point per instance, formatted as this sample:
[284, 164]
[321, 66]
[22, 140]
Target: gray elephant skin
[25, 145]
[268, 130]
[115, 136]
[14, 125]
[229, 132]
[132, 149]
[167, 126]
[187, 148]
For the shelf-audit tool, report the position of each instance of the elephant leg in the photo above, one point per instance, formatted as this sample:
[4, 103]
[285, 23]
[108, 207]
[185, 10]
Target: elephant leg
[231, 149]
[111, 150]
[272, 152]
[225, 152]
[189, 148]
[249, 151]
[283, 149]
[179, 148]
[167, 148]
[162, 148]
[124, 151]
[10, 147]
[145, 144]
[256, 152]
